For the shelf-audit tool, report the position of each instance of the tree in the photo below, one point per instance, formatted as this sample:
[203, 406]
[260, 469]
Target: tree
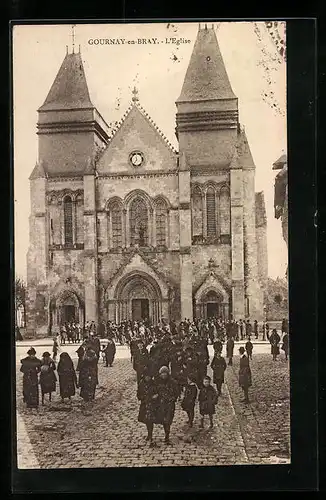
[20, 296]
[271, 39]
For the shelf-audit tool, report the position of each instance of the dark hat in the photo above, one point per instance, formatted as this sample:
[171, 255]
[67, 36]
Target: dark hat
[31, 351]
[241, 349]
[46, 354]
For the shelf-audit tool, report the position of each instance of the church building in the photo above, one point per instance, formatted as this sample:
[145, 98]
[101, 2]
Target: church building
[124, 227]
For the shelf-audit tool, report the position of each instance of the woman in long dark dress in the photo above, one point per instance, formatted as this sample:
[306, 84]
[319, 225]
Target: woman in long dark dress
[48, 377]
[67, 376]
[109, 352]
[148, 396]
[30, 367]
[88, 378]
[80, 353]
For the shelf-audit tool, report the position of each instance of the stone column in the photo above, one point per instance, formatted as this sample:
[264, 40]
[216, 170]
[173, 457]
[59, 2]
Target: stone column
[74, 222]
[168, 229]
[90, 250]
[153, 226]
[165, 309]
[252, 287]
[237, 250]
[103, 233]
[185, 240]
[127, 227]
[204, 215]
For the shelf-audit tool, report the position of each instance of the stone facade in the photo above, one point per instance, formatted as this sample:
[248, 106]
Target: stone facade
[281, 194]
[123, 226]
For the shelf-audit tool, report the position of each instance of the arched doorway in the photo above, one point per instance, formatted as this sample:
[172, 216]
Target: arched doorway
[66, 307]
[211, 305]
[137, 297]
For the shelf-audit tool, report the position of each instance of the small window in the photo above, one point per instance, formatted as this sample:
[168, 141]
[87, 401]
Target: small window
[161, 223]
[116, 214]
[138, 222]
[211, 212]
[68, 220]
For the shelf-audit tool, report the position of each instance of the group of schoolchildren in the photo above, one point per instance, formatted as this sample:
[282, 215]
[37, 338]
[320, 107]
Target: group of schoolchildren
[173, 370]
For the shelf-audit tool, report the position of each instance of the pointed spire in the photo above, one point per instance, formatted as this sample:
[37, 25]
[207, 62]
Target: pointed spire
[206, 77]
[69, 89]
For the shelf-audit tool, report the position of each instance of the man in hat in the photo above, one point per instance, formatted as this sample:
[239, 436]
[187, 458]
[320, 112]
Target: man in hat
[244, 374]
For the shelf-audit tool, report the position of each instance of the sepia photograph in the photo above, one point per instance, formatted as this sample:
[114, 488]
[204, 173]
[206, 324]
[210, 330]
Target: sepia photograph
[151, 244]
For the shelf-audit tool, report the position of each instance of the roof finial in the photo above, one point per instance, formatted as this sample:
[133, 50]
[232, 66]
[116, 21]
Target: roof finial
[73, 37]
[135, 97]
[67, 48]
[205, 26]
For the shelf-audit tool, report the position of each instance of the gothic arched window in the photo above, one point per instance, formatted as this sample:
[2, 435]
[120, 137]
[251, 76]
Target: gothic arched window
[67, 211]
[211, 212]
[116, 218]
[161, 223]
[225, 208]
[197, 212]
[138, 222]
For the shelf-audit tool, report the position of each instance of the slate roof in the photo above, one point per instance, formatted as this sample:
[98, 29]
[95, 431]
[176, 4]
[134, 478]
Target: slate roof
[69, 89]
[206, 77]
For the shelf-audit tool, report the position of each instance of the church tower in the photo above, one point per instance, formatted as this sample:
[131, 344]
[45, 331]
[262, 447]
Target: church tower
[63, 245]
[222, 172]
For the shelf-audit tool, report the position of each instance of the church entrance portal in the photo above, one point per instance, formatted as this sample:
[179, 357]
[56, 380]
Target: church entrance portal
[211, 305]
[140, 309]
[137, 297]
[66, 307]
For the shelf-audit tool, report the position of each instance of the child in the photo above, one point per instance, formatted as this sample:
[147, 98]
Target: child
[189, 399]
[207, 400]
[218, 366]
[148, 397]
[249, 348]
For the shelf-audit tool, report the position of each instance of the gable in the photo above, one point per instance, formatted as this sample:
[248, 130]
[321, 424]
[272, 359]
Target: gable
[212, 282]
[137, 133]
[136, 265]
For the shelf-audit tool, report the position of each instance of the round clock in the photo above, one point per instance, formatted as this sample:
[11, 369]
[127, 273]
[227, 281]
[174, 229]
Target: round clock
[136, 159]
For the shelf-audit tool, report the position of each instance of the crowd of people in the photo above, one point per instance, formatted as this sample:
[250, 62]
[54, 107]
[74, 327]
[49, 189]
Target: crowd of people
[73, 332]
[170, 362]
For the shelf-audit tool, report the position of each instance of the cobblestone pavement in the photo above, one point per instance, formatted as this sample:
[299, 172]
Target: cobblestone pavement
[106, 433]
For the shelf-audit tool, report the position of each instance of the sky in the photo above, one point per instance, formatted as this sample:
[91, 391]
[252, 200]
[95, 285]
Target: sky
[256, 72]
